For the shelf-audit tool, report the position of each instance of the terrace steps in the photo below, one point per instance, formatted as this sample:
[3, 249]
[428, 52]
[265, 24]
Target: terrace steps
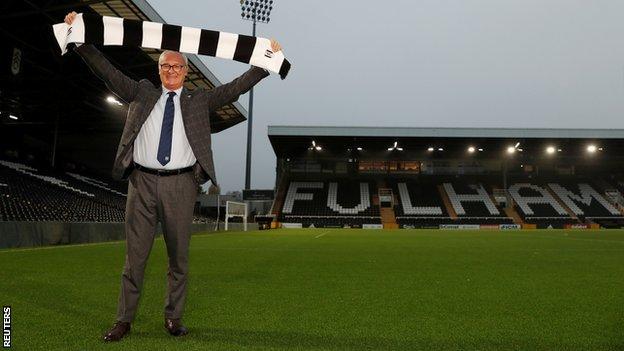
[388, 218]
[447, 202]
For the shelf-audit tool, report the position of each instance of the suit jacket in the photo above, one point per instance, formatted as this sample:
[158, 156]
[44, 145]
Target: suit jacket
[195, 106]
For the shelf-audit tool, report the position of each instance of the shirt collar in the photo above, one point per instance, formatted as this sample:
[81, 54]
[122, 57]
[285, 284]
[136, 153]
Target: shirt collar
[178, 91]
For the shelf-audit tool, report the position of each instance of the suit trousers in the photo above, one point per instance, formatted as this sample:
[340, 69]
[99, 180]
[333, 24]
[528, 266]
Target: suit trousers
[153, 198]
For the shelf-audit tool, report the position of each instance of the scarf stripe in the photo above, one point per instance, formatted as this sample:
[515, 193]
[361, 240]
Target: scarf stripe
[105, 30]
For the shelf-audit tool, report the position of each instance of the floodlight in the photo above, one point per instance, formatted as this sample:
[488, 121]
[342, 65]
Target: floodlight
[257, 11]
[112, 100]
[254, 11]
[395, 146]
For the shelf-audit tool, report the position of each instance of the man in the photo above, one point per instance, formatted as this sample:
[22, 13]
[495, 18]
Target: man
[165, 153]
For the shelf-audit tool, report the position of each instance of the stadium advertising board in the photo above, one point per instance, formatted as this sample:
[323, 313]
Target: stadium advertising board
[258, 195]
[459, 226]
[509, 226]
[292, 225]
[372, 226]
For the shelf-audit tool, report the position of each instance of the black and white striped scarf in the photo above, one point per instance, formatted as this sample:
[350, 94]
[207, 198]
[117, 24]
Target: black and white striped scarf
[105, 30]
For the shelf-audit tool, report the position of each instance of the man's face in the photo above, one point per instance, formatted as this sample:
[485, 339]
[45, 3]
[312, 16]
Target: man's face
[172, 79]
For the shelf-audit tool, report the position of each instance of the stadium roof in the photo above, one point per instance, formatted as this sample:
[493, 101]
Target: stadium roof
[418, 143]
[53, 93]
[412, 132]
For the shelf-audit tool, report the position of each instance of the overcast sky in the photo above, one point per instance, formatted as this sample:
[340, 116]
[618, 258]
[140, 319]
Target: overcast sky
[441, 63]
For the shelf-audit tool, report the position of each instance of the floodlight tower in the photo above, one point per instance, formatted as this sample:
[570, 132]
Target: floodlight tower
[255, 11]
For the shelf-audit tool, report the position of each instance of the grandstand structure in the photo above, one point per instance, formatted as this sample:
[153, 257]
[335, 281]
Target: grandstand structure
[28, 193]
[60, 125]
[371, 177]
[59, 129]
[61, 110]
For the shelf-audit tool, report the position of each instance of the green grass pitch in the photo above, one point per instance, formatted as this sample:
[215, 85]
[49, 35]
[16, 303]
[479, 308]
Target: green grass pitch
[339, 289]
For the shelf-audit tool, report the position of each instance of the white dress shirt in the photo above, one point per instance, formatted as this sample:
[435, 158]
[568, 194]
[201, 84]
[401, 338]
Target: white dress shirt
[146, 143]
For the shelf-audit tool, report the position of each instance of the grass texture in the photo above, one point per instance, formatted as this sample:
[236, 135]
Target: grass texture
[335, 289]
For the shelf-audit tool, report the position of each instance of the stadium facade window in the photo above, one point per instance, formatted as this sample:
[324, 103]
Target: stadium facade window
[408, 167]
[389, 166]
[412, 166]
[372, 167]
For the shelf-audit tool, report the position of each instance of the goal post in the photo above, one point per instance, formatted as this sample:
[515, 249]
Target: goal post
[235, 209]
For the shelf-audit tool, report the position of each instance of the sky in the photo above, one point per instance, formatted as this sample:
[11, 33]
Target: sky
[419, 63]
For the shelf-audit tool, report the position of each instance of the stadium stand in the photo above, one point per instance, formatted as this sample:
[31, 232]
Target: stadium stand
[420, 202]
[536, 205]
[330, 203]
[584, 200]
[588, 204]
[422, 206]
[35, 194]
[473, 204]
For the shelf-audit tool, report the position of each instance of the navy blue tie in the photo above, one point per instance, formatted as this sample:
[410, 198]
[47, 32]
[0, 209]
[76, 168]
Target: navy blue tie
[166, 132]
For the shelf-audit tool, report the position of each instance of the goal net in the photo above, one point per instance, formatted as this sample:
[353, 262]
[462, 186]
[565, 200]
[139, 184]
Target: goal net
[234, 211]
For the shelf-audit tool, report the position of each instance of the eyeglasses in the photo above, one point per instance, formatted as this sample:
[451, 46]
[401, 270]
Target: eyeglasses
[176, 68]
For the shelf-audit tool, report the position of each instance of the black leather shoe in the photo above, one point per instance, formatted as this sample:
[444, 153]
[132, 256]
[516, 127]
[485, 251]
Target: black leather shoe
[175, 327]
[118, 331]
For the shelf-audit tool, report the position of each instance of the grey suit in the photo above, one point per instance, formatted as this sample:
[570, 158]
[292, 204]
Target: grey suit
[168, 199]
[195, 105]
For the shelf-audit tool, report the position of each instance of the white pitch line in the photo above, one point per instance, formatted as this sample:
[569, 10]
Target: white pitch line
[320, 235]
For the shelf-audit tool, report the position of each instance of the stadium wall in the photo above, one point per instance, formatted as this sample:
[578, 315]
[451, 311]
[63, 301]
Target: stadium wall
[32, 234]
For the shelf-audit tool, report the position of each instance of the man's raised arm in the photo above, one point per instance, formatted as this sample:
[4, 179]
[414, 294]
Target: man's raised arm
[120, 84]
[227, 93]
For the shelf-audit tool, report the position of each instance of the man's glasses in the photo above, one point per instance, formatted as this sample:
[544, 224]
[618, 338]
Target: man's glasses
[176, 68]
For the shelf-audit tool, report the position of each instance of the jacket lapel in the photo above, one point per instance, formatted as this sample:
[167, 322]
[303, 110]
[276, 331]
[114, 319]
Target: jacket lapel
[150, 101]
[185, 98]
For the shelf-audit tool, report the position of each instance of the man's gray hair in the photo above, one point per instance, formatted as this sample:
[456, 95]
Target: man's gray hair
[172, 52]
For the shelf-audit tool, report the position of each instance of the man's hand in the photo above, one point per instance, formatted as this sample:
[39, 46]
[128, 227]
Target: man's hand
[275, 46]
[69, 19]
